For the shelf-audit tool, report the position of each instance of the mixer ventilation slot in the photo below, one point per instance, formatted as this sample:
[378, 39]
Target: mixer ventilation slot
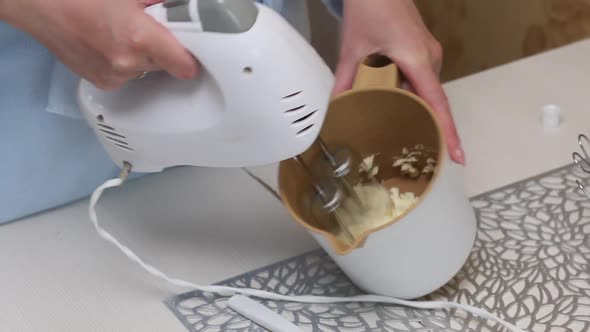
[111, 134]
[304, 130]
[105, 126]
[124, 147]
[295, 109]
[292, 95]
[305, 117]
[117, 141]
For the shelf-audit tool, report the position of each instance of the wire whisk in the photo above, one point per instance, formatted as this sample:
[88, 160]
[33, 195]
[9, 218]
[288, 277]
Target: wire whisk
[582, 161]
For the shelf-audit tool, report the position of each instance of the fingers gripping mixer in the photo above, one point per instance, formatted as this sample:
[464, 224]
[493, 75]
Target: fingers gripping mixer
[261, 95]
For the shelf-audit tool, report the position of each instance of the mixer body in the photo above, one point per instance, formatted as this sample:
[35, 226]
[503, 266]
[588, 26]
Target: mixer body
[261, 95]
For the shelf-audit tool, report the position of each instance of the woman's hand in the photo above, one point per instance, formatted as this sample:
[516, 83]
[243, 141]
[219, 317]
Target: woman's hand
[394, 28]
[107, 42]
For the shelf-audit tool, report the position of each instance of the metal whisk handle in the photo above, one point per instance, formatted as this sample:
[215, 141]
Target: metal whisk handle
[582, 161]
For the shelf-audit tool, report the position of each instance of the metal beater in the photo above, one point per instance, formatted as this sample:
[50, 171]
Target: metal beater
[327, 199]
[331, 190]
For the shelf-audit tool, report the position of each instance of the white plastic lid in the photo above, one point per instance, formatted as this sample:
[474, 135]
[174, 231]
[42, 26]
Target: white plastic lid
[551, 116]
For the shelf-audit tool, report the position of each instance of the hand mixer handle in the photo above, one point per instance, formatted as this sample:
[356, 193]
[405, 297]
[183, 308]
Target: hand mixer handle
[377, 71]
[222, 16]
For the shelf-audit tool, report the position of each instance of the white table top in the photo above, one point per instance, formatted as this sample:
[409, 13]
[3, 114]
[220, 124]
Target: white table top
[58, 275]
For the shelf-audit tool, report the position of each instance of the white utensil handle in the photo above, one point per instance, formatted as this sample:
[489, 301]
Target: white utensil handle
[261, 315]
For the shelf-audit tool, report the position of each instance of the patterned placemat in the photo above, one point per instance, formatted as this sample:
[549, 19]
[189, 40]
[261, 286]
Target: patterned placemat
[530, 265]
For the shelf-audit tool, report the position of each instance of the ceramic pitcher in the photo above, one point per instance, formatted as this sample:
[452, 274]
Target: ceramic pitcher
[419, 251]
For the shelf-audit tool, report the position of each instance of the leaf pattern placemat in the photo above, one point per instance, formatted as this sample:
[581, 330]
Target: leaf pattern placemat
[530, 265]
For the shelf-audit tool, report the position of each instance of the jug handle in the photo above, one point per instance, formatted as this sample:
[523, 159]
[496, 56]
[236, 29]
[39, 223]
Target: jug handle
[377, 71]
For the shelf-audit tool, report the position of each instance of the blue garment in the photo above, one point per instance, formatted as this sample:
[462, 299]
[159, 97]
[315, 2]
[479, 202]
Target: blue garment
[49, 155]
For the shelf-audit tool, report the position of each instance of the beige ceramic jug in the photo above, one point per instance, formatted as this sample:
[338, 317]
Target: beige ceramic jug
[422, 249]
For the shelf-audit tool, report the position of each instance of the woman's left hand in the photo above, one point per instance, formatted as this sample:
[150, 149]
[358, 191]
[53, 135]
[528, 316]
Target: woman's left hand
[394, 28]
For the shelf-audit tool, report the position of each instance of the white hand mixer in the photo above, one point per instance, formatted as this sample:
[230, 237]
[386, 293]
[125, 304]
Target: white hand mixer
[261, 97]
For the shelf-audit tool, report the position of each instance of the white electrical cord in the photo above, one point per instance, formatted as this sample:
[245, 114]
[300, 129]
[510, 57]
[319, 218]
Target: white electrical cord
[229, 291]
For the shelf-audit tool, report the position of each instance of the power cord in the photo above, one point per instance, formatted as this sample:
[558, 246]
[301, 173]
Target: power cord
[229, 291]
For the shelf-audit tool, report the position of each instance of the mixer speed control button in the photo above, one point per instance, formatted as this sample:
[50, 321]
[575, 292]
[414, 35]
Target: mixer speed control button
[175, 3]
[177, 10]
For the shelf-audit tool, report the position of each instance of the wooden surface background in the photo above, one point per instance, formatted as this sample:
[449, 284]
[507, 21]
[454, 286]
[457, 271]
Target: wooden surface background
[479, 34]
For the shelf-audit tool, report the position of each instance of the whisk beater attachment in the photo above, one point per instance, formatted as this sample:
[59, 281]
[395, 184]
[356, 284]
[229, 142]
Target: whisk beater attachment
[341, 199]
[582, 160]
[340, 162]
[327, 198]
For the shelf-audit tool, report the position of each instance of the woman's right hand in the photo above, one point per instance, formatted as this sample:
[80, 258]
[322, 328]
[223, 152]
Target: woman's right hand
[107, 42]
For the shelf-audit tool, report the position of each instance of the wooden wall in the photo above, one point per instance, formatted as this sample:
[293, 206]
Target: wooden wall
[481, 34]
[325, 32]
